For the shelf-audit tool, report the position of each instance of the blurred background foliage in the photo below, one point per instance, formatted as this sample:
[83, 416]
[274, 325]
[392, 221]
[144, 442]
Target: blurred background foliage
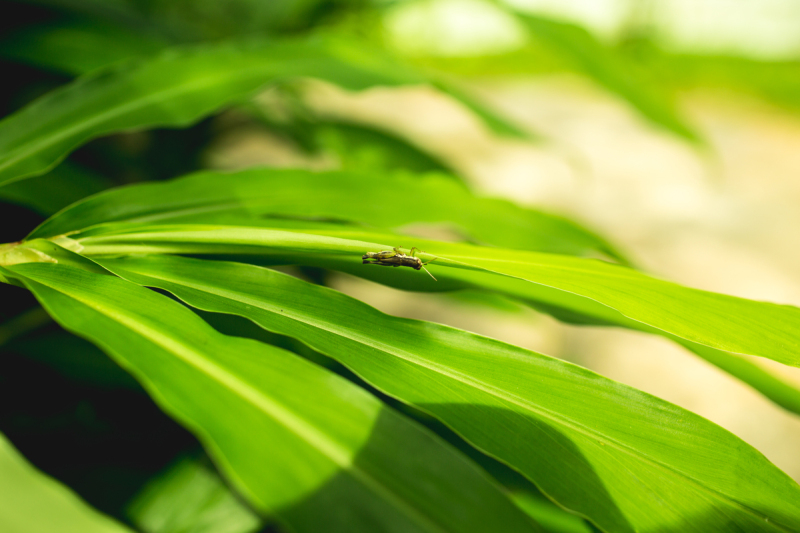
[699, 81]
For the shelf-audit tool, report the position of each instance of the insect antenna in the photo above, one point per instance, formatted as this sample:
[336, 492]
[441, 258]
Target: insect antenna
[431, 275]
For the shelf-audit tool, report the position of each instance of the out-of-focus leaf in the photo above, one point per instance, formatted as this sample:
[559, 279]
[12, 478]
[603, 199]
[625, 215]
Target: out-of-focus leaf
[174, 88]
[178, 87]
[490, 118]
[22, 323]
[31, 502]
[775, 81]
[623, 459]
[51, 192]
[360, 148]
[295, 439]
[609, 68]
[257, 197]
[190, 498]
[716, 320]
[75, 359]
[209, 19]
[77, 46]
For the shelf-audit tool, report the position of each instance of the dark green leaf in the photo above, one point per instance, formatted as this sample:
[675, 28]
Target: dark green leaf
[77, 46]
[51, 192]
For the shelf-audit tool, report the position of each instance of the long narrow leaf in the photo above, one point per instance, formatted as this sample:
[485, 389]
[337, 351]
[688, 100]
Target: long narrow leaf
[180, 86]
[32, 502]
[294, 438]
[716, 320]
[55, 190]
[259, 196]
[609, 68]
[569, 307]
[175, 88]
[190, 498]
[624, 459]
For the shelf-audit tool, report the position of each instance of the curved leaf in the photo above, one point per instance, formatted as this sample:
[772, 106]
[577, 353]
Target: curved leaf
[190, 498]
[294, 438]
[175, 88]
[75, 47]
[55, 190]
[716, 320]
[254, 195]
[259, 196]
[181, 85]
[569, 307]
[35, 503]
[624, 459]
[609, 68]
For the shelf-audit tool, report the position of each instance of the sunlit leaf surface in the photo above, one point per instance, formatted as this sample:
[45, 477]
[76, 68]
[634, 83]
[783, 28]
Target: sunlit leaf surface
[260, 196]
[716, 320]
[31, 502]
[541, 415]
[268, 196]
[294, 438]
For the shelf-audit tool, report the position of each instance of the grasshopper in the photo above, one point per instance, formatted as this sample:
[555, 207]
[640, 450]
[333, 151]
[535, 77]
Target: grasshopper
[396, 259]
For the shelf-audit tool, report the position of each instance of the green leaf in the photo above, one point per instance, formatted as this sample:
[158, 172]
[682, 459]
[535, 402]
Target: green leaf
[51, 192]
[77, 46]
[490, 118]
[561, 304]
[190, 498]
[367, 149]
[175, 88]
[32, 502]
[624, 459]
[293, 438]
[251, 196]
[609, 68]
[22, 323]
[716, 320]
[75, 359]
[178, 87]
[259, 196]
[572, 308]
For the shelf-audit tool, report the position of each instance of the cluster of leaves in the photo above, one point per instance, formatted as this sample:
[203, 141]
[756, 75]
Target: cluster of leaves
[320, 412]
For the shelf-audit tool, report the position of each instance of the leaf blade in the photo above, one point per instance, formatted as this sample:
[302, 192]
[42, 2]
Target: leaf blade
[513, 394]
[332, 446]
[719, 321]
[175, 88]
[258, 196]
[36, 503]
[190, 498]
